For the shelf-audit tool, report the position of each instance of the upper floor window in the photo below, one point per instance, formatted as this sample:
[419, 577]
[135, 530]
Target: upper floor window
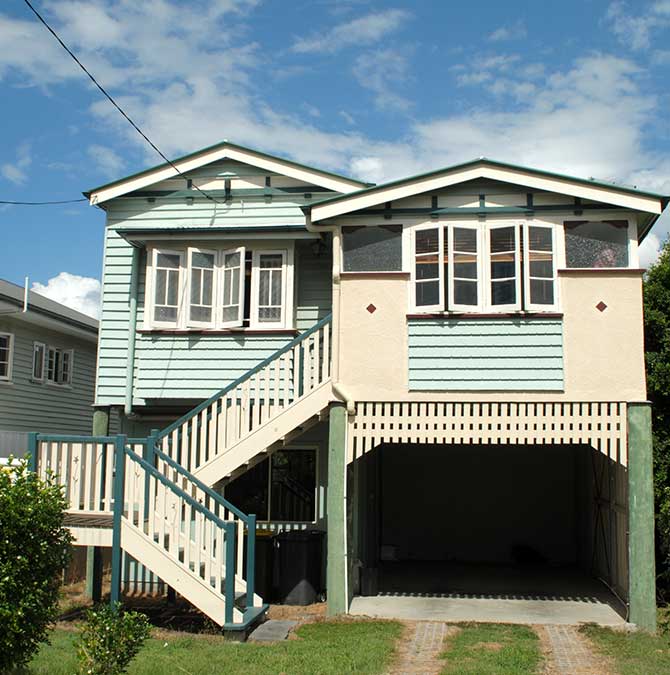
[490, 267]
[6, 350]
[372, 248]
[220, 288]
[596, 243]
[59, 366]
[39, 361]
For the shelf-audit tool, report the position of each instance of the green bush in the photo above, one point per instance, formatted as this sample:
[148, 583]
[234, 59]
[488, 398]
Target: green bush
[110, 640]
[34, 549]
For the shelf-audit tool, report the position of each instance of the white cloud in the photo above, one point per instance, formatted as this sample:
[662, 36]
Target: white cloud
[364, 30]
[383, 72]
[16, 172]
[636, 31]
[80, 293]
[107, 161]
[515, 31]
[347, 117]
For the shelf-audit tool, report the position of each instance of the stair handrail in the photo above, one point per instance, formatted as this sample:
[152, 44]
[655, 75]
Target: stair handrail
[250, 373]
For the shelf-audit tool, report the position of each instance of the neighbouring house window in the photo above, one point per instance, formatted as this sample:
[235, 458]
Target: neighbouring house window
[167, 275]
[471, 267]
[201, 286]
[39, 353]
[59, 366]
[220, 288]
[592, 243]
[6, 349]
[372, 248]
[280, 488]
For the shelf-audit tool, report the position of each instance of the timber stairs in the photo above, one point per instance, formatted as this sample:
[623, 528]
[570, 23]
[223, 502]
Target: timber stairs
[155, 497]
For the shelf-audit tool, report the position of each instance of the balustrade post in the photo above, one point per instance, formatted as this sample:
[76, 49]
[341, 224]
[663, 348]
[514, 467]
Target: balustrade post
[251, 559]
[230, 570]
[32, 451]
[119, 489]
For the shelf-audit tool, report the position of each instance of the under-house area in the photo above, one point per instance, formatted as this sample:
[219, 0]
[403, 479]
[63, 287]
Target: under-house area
[480, 525]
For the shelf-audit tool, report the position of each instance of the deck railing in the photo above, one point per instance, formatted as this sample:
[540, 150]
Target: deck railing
[251, 401]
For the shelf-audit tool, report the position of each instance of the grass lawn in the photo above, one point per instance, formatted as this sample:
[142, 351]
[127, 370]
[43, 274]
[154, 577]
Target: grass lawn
[494, 649]
[324, 647]
[632, 653]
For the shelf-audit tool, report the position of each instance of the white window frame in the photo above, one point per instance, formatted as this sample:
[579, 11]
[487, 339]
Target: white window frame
[59, 371]
[149, 299]
[488, 277]
[10, 357]
[189, 280]
[36, 347]
[440, 271]
[286, 296]
[221, 270]
[481, 289]
[528, 305]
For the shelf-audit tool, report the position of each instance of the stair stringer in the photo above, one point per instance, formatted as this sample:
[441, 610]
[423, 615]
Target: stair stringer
[199, 593]
[259, 440]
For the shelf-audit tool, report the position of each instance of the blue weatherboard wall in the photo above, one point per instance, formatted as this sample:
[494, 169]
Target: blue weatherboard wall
[486, 354]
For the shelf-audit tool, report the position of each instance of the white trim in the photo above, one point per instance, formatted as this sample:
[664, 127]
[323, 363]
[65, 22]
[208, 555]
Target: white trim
[221, 269]
[41, 376]
[488, 277]
[189, 280]
[528, 304]
[10, 357]
[440, 269]
[479, 279]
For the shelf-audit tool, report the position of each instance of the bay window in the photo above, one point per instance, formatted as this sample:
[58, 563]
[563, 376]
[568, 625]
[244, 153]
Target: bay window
[220, 288]
[483, 267]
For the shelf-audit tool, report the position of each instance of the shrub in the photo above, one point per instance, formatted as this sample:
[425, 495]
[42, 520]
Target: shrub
[34, 549]
[110, 640]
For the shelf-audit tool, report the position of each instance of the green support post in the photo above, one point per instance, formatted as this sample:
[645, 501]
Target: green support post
[336, 568]
[32, 451]
[119, 479]
[641, 560]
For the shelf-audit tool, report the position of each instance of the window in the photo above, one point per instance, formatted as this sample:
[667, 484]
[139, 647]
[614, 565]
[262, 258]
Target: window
[39, 351]
[59, 366]
[280, 488]
[591, 243]
[472, 267]
[6, 348]
[201, 287]
[372, 248]
[268, 288]
[167, 273]
[232, 293]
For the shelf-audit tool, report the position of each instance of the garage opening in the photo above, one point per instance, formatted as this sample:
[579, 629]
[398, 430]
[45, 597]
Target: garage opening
[522, 522]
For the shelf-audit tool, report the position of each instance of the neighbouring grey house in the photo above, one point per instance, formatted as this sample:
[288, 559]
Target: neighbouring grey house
[47, 368]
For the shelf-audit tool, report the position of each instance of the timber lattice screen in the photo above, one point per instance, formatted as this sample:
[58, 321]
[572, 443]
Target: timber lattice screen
[601, 425]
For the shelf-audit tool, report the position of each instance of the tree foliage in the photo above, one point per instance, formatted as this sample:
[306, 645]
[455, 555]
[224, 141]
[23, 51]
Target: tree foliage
[34, 549]
[657, 348]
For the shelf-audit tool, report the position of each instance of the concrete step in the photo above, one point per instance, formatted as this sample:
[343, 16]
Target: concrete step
[272, 631]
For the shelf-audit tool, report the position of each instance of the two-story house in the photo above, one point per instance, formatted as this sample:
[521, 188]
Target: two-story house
[445, 372]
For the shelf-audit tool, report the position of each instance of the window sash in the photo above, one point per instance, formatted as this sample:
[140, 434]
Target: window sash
[529, 276]
[39, 365]
[232, 299]
[457, 277]
[59, 364]
[417, 257]
[197, 275]
[491, 257]
[6, 353]
[265, 297]
[166, 288]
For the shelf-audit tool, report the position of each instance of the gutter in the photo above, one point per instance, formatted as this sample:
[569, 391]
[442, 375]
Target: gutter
[132, 331]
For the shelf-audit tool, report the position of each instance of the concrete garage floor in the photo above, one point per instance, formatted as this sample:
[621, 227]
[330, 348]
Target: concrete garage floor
[497, 593]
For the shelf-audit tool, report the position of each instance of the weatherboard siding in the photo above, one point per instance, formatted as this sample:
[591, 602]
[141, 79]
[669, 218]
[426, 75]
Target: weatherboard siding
[486, 354]
[38, 406]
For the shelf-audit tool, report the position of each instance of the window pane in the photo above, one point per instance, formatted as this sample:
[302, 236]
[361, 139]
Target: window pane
[539, 238]
[465, 266]
[170, 261]
[427, 268]
[172, 287]
[541, 266]
[269, 314]
[38, 362]
[161, 285]
[293, 478]
[465, 239]
[465, 292]
[541, 292]
[427, 293]
[271, 261]
[235, 285]
[275, 288]
[373, 248]
[196, 286]
[503, 267]
[201, 314]
[427, 241]
[205, 260]
[503, 292]
[232, 260]
[207, 282]
[231, 313]
[264, 288]
[165, 314]
[596, 244]
[503, 239]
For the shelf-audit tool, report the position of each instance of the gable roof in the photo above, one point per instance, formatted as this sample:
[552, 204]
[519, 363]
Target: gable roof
[213, 153]
[587, 188]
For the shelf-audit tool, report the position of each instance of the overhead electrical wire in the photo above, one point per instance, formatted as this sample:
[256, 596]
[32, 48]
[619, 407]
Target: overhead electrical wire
[63, 201]
[111, 100]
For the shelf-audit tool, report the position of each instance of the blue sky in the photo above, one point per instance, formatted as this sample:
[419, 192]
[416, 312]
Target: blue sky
[373, 89]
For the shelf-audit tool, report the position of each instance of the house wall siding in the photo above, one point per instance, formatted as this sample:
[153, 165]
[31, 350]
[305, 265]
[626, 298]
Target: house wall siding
[35, 406]
[485, 354]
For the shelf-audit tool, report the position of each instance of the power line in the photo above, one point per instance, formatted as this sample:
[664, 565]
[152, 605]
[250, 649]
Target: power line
[64, 201]
[111, 100]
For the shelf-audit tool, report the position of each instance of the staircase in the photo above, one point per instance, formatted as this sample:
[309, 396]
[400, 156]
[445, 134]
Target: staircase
[155, 494]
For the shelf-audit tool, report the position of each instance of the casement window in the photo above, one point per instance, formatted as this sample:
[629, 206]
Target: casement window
[280, 488]
[220, 288]
[39, 361]
[59, 366]
[6, 352]
[201, 266]
[480, 268]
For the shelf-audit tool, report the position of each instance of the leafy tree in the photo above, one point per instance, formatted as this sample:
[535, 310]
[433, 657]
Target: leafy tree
[34, 549]
[657, 348]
